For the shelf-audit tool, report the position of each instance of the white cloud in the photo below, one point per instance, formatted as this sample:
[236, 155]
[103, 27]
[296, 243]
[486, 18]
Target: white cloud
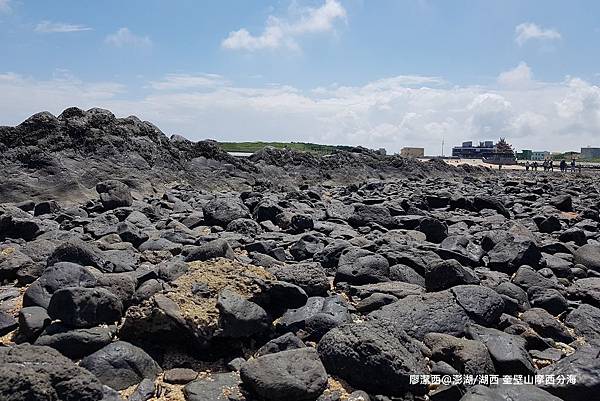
[391, 112]
[530, 31]
[187, 81]
[21, 96]
[125, 38]
[282, 33]
[59, 27]
[5, 6]
[519, 76]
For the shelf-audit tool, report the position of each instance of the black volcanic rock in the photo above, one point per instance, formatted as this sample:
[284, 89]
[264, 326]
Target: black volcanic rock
[206, 262]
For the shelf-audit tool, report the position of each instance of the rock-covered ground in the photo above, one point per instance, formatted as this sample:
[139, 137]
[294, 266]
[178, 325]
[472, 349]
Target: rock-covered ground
[281, 277]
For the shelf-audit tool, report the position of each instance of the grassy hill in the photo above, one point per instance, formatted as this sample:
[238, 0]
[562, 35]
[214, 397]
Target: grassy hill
[252, 147]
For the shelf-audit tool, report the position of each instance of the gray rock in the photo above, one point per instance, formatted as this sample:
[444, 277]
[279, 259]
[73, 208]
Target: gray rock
[507, 351]
[216, 387]
[32, 321]
[218, 248]
[508, 392]
[223, 210]
[446, 274]
[436, 312]
[30, 372]
[317, 317]
[285, 342]
[589, 256]
[309, 276]
[120, 365]
[7, 323]
[434, 230]
[546, 325]
[239, 317]
[179, 375]
[143, 392]
[585, 320]
[466, 356]
[482, 304]
[288, 375]
[584, 365]
[114, 194]
[85, 307]
[75, 343]
[374, 302]
[359, 266]
[374, 356]
[547, 298]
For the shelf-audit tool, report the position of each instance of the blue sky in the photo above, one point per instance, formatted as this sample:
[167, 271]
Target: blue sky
[379, 73]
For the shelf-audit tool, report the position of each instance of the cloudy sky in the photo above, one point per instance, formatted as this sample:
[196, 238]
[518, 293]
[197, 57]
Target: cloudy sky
[385, 73]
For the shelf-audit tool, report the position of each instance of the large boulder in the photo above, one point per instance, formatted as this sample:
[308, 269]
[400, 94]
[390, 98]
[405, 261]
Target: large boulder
[29, 372]
[366, 214]
[360, 266]
[75, 343]
[54, 278]
[448, 273]
[435, 231]
[546, 325]
[306, 247]
[582, 366]
[481, 202]
[239, 317]
[317, 317]
[114, 194]
[121, 365]
[585, 321]
[510, 254]
[218, 248]
[15, 223]
[466, 356]
[288, 375]
[482, 304]
[223, 210]
[507, 351]
[436, 312]
[83, 253]
[216, 387]
[85, 307]
[285, 342]
[309, 276]
[377, 357]
[589, 256]
[7, 323]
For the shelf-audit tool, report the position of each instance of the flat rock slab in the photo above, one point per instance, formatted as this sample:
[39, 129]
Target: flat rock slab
[216, 387]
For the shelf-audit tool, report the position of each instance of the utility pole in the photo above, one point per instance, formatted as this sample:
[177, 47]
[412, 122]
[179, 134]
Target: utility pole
[442, 146]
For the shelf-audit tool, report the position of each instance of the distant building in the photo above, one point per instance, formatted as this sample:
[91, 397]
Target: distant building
[525, 154]
[590, 153]
[412, 152]
[470, 151]
[540, 155]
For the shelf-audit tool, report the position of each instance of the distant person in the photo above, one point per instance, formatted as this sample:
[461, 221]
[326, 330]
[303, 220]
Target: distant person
[535, 166]
[551, 165]
[573, 165]
[545, 165]
[563, 165]
[527, 165]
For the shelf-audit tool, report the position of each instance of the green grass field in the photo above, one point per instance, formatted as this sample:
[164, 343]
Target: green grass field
[251, 147]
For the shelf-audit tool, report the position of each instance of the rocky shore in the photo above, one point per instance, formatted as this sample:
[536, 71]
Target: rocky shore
[139, 267]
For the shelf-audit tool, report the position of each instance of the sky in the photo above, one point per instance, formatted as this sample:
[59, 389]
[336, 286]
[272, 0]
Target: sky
[377, 73]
